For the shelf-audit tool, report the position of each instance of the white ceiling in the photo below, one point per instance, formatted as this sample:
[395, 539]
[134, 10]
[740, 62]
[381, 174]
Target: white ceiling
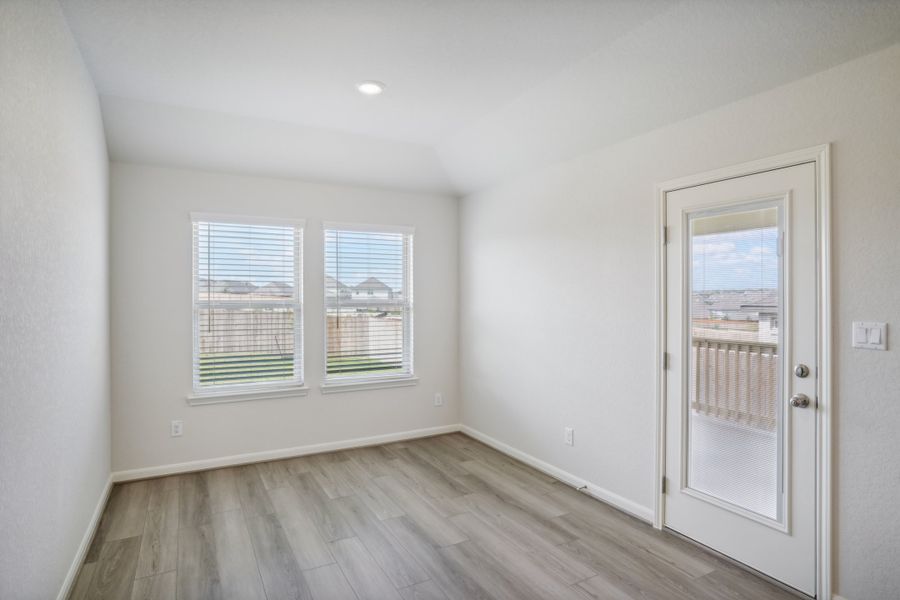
[445, 62]
[476, 90]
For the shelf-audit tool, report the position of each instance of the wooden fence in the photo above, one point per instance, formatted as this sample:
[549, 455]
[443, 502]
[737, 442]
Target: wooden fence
[353, 335]
[268, 331]
[257, 331]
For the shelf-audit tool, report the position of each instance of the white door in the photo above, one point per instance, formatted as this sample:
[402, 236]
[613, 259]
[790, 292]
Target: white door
[741, 343]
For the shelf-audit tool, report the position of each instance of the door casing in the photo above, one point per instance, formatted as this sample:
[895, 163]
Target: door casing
[820, 156]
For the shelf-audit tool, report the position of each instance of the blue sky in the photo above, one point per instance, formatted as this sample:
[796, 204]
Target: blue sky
[259, 254]
[746, 259]
[263, 254]
[365, 255]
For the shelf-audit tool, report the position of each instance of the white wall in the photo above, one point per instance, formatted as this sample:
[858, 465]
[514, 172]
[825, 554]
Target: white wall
[54, 343]
[557, 298]
[151, 317]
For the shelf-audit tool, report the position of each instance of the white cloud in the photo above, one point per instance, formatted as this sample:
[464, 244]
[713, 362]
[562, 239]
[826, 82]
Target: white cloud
[712, 248]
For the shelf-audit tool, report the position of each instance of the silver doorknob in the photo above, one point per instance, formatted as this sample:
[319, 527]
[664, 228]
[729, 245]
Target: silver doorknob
[799, 400]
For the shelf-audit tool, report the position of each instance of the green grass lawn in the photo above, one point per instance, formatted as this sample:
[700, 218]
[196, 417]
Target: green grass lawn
[241, 367]
[236, 367]
[358, 365]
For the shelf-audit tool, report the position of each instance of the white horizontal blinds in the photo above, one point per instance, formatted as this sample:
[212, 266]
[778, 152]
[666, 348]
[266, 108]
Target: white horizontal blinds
[247, 304]
[368, 303]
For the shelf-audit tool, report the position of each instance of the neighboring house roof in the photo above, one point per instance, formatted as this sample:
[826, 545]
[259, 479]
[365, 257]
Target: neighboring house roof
[332, 283]
[277, 288]
[732, 301]
[373, 284]
[228, 286]
[238, 287]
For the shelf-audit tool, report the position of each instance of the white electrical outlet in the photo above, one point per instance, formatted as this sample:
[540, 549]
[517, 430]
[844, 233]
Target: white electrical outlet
[438, 399]
[569, 436]
[177, 428]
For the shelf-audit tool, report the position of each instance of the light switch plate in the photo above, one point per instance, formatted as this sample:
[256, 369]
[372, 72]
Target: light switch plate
[869, 335]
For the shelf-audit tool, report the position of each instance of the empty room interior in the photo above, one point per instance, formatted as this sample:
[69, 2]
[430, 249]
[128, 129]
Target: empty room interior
[449, 299]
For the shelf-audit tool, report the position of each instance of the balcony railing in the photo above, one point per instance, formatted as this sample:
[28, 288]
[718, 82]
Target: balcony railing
[735, 380]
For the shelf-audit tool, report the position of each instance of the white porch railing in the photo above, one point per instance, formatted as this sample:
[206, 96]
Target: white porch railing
[735, 380]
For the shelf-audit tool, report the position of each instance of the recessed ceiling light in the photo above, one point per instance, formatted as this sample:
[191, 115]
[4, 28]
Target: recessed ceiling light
[370, 87]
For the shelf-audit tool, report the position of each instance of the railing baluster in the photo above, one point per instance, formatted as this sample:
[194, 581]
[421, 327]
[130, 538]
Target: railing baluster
[696, 375]
[747, 386]
[760, 387]
[708, 396]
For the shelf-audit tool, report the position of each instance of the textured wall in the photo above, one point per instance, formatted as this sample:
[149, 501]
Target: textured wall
[54, 350]
[557, 298]
[151, 317]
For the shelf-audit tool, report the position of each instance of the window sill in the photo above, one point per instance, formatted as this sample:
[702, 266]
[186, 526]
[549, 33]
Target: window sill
[335, 387]
[223, 397]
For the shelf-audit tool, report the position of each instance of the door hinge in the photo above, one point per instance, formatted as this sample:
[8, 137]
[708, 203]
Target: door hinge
[665, 361]
[665, 234]
[664, 485]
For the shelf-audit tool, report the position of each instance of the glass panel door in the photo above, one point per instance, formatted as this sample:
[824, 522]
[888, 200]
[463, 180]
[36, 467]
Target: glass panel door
[741, 311]
[734, 422]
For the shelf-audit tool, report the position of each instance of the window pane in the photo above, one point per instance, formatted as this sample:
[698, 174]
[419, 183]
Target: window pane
[247, 304]
[368, 304]
[244, 262]
[735, 308]
[365, 341]
[248, 345]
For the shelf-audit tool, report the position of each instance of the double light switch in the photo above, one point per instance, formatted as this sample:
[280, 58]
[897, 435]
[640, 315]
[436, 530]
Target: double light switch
[872, 336]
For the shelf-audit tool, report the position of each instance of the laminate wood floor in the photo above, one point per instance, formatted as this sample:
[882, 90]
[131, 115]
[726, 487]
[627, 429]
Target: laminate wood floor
[442, 518]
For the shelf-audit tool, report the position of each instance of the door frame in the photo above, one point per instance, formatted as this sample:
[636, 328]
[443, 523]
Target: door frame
[820, 156]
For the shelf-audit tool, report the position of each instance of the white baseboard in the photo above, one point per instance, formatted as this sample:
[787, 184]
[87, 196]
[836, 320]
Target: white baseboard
[253, 457]
[85, 545]
[600, 493]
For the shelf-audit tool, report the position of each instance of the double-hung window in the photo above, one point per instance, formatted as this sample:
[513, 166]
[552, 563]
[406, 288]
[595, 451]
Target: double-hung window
[368, 303]
[248, 325]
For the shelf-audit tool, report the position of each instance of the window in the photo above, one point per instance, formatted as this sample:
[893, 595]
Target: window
[248, 325]
[368, 303]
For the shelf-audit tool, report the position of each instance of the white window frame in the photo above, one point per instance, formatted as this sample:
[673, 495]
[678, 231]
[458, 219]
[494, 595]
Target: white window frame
[368, 382]
[248, 391]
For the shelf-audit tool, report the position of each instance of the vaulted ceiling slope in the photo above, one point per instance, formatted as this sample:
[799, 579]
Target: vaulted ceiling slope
[477, 91]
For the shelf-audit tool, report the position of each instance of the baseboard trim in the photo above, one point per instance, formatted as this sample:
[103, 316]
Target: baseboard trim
[85, 545]
[254, 457]
[643, 513]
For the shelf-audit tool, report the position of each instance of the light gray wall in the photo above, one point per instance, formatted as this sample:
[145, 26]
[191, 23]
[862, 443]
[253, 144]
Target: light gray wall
[152, 325]
[54, 349]
[557, 298]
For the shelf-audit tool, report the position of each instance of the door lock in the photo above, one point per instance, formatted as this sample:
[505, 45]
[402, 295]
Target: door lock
[799, 400]
[801, 371]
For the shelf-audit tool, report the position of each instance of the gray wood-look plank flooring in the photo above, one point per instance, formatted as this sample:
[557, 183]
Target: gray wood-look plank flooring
[442, 518]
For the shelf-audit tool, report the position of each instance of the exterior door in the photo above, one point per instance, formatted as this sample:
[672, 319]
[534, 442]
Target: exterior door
[742, 367]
